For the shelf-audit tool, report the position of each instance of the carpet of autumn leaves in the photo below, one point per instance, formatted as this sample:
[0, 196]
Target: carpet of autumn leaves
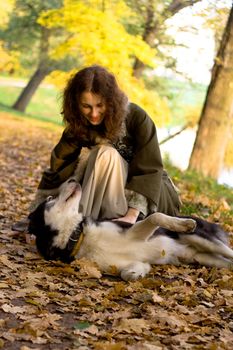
[50, 305]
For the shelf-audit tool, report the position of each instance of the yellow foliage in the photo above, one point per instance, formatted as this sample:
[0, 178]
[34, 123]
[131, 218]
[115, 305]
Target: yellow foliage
[6, 7]
[8, 62]
[97, 36]
[155, 106]
[59, 78]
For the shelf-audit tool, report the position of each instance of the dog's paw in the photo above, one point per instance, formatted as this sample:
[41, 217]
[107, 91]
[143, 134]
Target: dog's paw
[182, 225]
[188, 225]
[134, 271]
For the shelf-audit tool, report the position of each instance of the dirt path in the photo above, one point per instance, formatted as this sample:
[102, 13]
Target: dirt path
[48, 305]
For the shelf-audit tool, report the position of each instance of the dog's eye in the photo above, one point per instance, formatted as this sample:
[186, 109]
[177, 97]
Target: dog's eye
[49, 198]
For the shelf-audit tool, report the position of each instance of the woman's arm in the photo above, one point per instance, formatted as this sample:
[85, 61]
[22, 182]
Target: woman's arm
[131, 216]
[63, 161]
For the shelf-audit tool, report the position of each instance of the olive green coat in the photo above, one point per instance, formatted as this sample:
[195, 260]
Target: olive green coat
[138, 144]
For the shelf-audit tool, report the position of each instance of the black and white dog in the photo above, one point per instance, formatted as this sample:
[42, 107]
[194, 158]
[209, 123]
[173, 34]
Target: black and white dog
[63, 233]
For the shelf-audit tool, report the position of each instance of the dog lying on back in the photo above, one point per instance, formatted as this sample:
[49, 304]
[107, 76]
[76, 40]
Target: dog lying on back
[62, 233]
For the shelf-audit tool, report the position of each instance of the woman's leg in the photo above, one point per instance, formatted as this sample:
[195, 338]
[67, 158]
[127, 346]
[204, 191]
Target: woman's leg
[103, 184]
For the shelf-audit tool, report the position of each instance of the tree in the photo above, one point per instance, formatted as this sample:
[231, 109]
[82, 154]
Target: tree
[61, 34]
[34, 42]
[54, 35]
[44, 67]
[152, 16]
[8, 61]
[217, 114]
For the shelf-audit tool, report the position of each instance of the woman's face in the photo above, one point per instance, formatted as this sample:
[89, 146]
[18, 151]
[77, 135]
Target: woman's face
[92, 107]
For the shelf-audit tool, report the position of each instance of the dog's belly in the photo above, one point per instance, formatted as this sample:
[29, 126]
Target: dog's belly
[107, 254]
[116, 249]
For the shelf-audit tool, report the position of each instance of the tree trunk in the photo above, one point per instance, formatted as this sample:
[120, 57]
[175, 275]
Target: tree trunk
[152, 27]
[214, 126]
[42, 71]
[30, 89]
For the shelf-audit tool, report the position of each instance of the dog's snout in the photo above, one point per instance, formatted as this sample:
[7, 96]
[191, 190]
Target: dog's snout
[71, 180]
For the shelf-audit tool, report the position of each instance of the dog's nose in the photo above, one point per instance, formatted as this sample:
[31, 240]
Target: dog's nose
[71, 180]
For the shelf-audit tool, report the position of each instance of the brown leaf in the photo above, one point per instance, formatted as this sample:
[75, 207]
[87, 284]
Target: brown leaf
[89, 269]
[133, 325]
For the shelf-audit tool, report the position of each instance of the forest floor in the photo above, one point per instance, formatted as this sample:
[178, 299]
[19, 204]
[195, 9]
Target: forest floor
[50, 305]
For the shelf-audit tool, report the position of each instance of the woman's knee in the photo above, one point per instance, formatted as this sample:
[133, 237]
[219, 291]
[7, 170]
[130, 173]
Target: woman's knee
[107, 153]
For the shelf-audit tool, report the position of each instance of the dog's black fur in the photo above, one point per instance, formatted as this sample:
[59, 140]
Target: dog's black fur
[44, 237]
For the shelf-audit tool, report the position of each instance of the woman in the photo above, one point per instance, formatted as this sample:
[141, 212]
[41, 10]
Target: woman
[122, 174]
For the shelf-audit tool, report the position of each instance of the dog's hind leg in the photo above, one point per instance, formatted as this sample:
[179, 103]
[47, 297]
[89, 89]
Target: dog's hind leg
[223, 249]
[214, 247]
[144, 229]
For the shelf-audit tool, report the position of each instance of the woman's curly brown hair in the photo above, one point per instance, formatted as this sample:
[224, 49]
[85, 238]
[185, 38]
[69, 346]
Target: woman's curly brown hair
[97, 80]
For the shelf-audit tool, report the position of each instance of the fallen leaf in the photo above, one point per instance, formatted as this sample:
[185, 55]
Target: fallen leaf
[133, 325]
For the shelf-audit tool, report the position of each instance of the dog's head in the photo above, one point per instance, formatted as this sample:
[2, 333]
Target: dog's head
[54, 222]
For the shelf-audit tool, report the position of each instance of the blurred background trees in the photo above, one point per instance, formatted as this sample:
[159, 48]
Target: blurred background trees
[138, 41]
[151, 25]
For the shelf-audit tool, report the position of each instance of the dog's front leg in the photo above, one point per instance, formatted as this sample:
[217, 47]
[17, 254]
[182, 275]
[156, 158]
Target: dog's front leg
[135, 270]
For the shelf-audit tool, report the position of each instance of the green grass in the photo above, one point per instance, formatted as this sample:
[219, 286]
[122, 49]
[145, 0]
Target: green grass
[45, 104]
[193, 183]
[200, 184]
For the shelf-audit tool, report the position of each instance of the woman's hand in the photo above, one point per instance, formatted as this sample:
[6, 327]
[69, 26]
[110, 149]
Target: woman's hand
[131, 216]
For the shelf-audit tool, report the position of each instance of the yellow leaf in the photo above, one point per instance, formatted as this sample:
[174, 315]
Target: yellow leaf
[163, 253]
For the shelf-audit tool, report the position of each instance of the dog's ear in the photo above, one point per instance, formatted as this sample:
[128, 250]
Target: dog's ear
[36, 220]
[30, 216]
[32, 224]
